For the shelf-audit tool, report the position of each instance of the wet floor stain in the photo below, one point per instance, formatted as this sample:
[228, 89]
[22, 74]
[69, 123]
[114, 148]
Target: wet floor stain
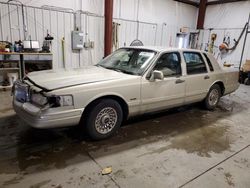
[120, 174]
[40, 184]
[229, 179]
[5, 110]
[14, 180]
[27, 150]
[204, 141]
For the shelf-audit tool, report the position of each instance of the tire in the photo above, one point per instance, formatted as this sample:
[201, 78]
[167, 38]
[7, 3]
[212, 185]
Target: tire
[213, 97]
[104, 119]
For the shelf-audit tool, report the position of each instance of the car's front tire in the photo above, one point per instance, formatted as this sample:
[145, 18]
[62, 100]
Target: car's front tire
[104, 119]
[213, 97]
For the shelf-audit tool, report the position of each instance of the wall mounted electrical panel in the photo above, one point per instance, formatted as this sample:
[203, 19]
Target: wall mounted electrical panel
[77, 40]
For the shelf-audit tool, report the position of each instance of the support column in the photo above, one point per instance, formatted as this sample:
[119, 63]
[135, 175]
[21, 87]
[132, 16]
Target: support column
[201, 15]
[108, 27]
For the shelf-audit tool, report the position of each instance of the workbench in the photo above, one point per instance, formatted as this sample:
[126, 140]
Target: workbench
[24, 63]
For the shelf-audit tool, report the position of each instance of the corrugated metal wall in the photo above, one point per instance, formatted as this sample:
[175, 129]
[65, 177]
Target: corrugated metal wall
[60, 24]
[234, 56]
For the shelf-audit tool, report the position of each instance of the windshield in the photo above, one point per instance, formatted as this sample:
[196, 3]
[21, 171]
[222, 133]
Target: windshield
[130, 61]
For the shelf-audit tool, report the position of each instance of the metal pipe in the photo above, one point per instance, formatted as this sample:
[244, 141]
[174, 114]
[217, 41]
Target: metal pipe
[108, 27]
[128, 20]
[162, 28]
[18, 21]
[23, 17]
[228, 28]
[1, 26]
[10, 23]
[34, 12]
[155, 35]
[137, 20]
[25, 24]
[245, 39]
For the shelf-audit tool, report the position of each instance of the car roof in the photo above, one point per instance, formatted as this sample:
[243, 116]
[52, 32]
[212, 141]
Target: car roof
[162, 48]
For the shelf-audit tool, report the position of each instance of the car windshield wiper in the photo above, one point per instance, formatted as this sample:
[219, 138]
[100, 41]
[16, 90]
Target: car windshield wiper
[120, 70]
[98, 65]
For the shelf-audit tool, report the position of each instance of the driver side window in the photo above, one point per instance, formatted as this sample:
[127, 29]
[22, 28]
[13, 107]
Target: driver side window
[169, 64]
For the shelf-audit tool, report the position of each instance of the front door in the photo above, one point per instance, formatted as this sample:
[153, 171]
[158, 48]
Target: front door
[169, 92]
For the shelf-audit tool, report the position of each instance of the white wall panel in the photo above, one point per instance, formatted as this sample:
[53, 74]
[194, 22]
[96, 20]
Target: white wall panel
[60, 35]
[94, 6]
[147, 34]
[151, 16]
[13, 13]
[168, 35]
[96, 34]
[56, 42]
[5, 22]
[31, 24]
[229, 15]
[127, 32]
[229, 19]
[128, 9]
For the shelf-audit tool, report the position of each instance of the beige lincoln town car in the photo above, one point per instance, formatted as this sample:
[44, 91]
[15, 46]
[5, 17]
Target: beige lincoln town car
[131, 81]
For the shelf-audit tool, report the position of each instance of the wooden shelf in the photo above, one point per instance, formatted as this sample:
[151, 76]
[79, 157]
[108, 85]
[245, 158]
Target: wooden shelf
[5, 87]
[24, 53]
[9, 69]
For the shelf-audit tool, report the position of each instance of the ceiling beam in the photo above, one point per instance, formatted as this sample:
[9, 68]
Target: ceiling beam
[188, 2]
[222, 2]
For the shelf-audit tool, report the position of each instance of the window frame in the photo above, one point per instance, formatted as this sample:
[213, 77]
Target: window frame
[180, 62]
[199, 54]
[209, 63]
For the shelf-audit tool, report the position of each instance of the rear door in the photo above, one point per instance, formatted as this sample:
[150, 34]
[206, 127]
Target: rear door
[197, 78]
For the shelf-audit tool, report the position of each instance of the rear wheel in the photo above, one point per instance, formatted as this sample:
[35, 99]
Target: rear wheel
[104, 119]
[213, 97]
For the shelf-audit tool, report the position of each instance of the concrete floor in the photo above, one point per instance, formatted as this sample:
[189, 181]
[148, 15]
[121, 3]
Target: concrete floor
[185, 147]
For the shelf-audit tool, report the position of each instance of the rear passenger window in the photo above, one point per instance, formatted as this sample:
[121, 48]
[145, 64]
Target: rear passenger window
[209, 63]
[195, 63]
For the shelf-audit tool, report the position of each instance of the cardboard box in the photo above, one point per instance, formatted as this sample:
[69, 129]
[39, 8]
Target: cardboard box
[246, 66]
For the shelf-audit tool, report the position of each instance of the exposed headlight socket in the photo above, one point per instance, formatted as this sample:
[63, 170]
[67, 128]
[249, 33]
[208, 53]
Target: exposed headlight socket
[57, 101]
[54, 101]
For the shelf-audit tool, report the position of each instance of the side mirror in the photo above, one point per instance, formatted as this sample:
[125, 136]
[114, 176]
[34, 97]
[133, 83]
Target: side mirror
[156, 75]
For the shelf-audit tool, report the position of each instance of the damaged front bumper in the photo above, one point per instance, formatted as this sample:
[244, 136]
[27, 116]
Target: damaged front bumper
[47, 118]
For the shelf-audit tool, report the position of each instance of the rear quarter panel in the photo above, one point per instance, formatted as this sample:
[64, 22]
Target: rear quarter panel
[228, 75]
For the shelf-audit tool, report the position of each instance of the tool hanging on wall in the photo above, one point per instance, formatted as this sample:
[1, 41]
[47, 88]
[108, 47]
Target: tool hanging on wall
[211, 45]
[224, 47]
[115, 35]
[63, 52]
[47, 43]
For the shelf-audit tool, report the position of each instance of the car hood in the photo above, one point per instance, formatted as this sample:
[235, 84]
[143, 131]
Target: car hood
[58, 79]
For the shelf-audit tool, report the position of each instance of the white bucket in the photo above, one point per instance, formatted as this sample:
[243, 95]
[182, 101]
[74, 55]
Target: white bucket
[12, 78]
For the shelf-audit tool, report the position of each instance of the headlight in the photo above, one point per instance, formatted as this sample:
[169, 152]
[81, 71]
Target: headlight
[64, 100]
[39, 99]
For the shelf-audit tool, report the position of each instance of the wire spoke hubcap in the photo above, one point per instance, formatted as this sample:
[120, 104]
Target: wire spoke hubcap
[106, 120]
[213, 97]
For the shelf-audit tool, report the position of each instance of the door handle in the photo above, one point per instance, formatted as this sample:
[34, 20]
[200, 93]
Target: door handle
[178, 81]
[206, 77]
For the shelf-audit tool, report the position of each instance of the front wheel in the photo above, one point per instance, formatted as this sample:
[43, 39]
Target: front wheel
[104, 119]
[213, 97]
